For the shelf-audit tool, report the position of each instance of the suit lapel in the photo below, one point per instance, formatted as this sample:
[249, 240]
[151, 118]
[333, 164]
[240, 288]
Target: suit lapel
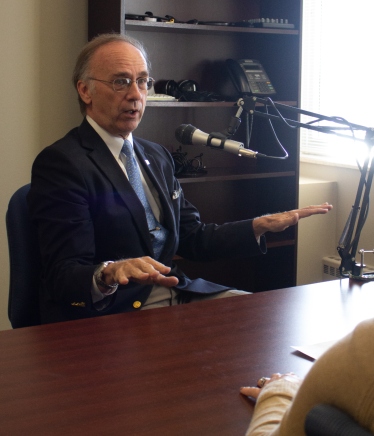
[99, 153]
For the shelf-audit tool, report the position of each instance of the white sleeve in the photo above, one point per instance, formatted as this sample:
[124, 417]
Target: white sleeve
[272, 403]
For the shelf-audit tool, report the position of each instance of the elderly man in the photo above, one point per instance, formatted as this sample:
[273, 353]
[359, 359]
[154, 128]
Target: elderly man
[110, 213]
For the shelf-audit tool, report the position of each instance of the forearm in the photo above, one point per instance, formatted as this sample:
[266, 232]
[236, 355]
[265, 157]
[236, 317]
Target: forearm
[214, 242]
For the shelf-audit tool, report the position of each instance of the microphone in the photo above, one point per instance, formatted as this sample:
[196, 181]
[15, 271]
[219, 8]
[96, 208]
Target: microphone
[187, 134]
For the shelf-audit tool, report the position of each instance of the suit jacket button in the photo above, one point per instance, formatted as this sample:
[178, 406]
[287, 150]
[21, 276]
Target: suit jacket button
[136, 304]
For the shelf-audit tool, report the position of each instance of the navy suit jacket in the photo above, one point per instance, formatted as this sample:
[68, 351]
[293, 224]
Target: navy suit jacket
[87, 212]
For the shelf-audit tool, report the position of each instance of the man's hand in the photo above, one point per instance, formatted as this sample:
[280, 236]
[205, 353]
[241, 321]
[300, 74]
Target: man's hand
[144, 270]
[280, 221]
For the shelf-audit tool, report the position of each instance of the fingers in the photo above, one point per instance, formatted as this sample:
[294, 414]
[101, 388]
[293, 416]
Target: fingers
[324, 205]
[169, 282]
[254, 391]
[280, 221]
[314, 210]
[143, 270]
[262, 381]
[158, 266]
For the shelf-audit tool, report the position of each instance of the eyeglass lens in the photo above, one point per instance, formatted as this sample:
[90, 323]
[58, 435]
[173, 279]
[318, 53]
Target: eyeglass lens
[143, 83]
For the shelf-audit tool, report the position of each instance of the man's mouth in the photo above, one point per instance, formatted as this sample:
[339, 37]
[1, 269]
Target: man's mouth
[131, 111]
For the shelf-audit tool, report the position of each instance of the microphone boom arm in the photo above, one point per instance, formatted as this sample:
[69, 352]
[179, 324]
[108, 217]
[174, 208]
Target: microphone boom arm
[249, 104]
[349, 239]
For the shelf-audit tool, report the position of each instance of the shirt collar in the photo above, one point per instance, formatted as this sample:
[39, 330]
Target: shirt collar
[114, 143]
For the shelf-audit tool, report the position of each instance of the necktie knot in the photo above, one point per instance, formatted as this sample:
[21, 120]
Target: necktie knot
[127, 148]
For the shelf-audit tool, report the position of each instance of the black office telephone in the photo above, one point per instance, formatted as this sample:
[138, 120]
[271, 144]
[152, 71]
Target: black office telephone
[249, 77]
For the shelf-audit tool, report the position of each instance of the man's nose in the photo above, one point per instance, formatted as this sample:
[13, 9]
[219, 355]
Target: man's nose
[134, 92]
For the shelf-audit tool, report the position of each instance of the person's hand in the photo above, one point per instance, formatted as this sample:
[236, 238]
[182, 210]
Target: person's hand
[280, 221]
[254, 391]
[144, 270]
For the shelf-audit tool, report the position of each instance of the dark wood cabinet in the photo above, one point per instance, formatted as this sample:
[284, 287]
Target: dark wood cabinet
[233, 188]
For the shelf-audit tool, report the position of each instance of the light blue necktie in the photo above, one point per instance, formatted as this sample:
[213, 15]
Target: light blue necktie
[158, 232]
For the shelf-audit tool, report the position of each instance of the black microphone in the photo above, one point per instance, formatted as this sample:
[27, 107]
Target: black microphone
[187, 134]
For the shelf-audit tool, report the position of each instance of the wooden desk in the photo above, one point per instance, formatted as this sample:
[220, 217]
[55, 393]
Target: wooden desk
[174, 371]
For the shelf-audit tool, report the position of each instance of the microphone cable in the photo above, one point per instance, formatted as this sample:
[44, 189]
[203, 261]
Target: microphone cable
[187, 166]
[285, 153]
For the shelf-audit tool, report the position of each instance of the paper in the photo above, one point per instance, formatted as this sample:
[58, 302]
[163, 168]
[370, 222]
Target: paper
[315, 350]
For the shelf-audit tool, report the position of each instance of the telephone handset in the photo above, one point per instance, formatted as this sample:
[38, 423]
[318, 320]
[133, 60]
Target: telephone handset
[249, 77]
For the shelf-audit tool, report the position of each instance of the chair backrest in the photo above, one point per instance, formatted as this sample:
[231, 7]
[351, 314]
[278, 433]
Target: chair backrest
[24, 262]
[327, 420]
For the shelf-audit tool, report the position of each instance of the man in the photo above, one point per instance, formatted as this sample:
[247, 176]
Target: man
[95, 238]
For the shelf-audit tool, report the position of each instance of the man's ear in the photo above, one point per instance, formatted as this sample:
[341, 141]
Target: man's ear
[84, 91]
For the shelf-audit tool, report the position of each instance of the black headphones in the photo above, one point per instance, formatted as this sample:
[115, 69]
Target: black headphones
[185, 90]
[171, 87]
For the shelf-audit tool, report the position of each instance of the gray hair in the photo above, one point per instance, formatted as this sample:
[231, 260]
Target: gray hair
[81, 70]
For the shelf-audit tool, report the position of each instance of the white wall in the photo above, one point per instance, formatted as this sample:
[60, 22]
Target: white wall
[310, 253]
[317, 235]
[39, 41]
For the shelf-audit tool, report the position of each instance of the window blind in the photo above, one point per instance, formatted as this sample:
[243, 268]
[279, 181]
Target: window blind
[336, 74]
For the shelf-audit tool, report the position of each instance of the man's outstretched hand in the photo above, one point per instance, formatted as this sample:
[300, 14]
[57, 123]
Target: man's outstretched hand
[280, 221]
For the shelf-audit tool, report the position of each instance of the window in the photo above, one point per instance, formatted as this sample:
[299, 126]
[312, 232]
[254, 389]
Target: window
[337, 74]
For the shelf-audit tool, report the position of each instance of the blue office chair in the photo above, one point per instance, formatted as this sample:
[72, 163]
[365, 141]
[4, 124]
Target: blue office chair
[327, 420]
[25, 264]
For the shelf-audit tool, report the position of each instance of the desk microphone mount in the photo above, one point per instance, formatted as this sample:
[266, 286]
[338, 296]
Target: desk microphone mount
[359, 273]
[348, 242]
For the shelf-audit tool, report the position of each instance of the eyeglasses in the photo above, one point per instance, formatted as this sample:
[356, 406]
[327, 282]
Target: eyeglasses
[123, 84]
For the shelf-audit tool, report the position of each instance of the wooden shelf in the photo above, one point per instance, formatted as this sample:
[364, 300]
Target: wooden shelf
[196, 104]
[202, 28]
[206, 104]
[226, 174]
[285, 243]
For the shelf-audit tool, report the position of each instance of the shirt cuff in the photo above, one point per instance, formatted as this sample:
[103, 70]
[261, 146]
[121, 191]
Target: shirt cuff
[96, 294]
